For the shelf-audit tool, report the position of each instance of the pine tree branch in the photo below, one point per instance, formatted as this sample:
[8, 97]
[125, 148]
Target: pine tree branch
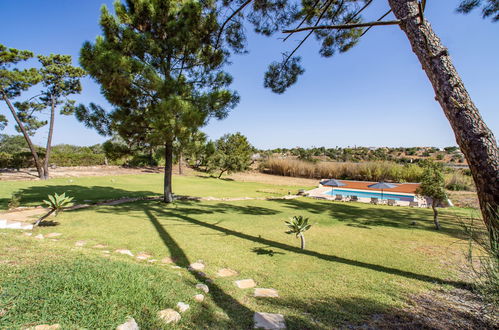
[379, 19]
[230, 18]
[343, 26]
[303, 21]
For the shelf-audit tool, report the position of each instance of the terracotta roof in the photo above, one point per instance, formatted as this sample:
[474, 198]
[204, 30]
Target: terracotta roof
[409, 188]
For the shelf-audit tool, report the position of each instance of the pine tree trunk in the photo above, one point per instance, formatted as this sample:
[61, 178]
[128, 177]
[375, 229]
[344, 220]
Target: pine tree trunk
[475, 139]
[435, 214]
[168, 197]
[49, 140]
[31, 146]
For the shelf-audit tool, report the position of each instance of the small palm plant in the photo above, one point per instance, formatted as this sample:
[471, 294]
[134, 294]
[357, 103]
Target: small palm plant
[56, 204]
[298, 225]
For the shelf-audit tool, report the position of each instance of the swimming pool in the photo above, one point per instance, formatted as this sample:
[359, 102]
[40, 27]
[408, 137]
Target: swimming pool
[370, 194]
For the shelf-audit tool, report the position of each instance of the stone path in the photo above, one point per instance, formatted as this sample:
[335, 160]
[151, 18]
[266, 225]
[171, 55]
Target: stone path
[169, 315]
[266, 293]
[245, 284]
[130, 324]
[269, 321]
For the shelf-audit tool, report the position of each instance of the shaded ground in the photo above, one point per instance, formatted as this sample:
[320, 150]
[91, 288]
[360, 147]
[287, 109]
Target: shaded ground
[454, 309]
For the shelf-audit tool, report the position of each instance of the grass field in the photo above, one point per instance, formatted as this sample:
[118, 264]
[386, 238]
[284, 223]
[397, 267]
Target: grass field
[360, 259]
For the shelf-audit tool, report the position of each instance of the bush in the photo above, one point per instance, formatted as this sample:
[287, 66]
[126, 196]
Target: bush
[368, 171]
[459, 182]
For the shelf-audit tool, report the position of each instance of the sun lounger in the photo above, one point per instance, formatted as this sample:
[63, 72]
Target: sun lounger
[392, 202]
[413, 204]
[339, 198]
[354, 199]
[374, 200]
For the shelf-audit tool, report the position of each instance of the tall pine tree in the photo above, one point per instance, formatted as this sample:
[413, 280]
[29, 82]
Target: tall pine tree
[158, 66]
[338, 25]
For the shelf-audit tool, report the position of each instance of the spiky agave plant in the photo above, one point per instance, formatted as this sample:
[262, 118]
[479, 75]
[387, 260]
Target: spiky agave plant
[56, 204]
[298, 225]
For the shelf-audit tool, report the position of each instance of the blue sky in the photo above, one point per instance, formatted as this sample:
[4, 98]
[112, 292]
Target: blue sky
[374, 95]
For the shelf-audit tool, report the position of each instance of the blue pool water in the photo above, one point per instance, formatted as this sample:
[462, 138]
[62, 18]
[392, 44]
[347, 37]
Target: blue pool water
[369, 194]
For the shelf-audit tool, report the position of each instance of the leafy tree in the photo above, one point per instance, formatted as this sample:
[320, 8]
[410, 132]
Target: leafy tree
[233, 154]
[338, 25]
[158, 67]
[59, 79]
[13, 144]
[298, 225]
[433, 186]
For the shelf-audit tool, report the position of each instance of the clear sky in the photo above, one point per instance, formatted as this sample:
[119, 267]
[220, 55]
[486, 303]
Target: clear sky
[374, 95]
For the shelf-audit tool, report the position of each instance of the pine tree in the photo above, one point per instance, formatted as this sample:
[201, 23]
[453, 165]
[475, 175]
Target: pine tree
[338, 25]
[157, 65]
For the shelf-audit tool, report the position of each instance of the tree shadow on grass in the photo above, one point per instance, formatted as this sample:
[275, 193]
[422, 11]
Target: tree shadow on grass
[367, 216]
[36, 194]
[171, 212]
[240, 315]
[429, 310]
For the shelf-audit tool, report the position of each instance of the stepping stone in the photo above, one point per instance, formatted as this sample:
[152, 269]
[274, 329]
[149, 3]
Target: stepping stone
[203, 287]
[106, 251]
[123, 251]
[182, 307]
[196, 266]
[39, 236]
[226, 272]
[169, 315]
[27, 234]
[54, 240]
[176, 267]
[199, 297]
[152, 260]
[271, 293]
[269, 321]
[52, 235]
[143, 256]
[80, 243]
[130, 324]
[245, 284]
[167, 260]
[45, 327]
[100, 246]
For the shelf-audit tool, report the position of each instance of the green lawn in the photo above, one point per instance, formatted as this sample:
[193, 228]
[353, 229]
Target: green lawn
[114, 187]
[360, 259]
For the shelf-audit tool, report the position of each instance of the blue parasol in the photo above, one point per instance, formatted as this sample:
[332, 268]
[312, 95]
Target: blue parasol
[382, 185]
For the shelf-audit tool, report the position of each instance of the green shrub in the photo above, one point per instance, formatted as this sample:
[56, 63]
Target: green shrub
[15, 200]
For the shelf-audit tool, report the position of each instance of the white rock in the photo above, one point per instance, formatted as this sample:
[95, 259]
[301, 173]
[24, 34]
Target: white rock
[143, 256]
[269, 321]
[130, 324]
[199, 297]
[182, 307]
[39, 236]
[203, 287]
[80, 243]
[123, 251]
[169, 315]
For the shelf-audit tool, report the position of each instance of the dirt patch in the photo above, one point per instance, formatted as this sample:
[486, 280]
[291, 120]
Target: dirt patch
[455, 309]
[273, 179]
[24, 214]
[464, 199]
[76, 171]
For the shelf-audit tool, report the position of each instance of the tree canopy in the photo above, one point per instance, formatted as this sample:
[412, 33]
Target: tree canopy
[158, 66]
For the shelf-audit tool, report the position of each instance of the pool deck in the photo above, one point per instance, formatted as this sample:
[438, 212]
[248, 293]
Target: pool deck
[402, 188]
